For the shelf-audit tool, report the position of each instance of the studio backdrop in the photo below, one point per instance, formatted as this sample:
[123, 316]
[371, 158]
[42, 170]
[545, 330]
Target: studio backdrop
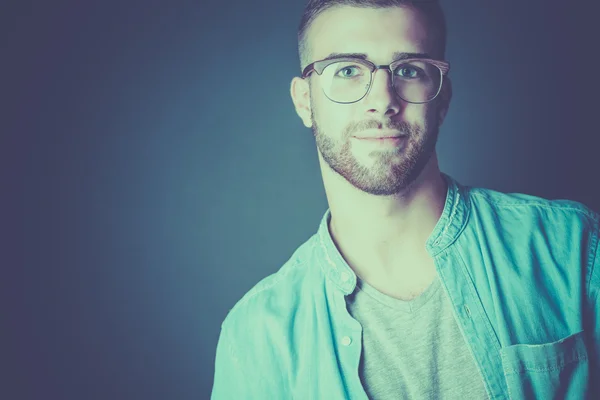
[153, 169]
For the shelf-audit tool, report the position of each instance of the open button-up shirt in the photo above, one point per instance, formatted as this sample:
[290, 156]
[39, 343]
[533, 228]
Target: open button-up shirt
[521, 273]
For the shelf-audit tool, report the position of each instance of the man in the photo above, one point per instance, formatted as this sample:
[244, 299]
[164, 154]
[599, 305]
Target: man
[414, 286]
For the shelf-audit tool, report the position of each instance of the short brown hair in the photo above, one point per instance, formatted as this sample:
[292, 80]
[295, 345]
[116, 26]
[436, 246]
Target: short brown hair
[430, 8]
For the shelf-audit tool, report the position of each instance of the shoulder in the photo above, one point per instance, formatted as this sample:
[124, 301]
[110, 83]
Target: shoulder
[528, 209]
[277, 296]
[565, 232]
[253, 350]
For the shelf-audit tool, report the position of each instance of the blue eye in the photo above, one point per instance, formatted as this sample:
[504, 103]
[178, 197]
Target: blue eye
[348, 72]
[407, 72]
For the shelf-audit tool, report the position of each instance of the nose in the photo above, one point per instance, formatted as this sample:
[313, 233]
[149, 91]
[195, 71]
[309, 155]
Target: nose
[381, 97]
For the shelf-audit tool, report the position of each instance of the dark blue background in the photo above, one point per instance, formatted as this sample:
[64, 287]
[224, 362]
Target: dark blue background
[153, 169]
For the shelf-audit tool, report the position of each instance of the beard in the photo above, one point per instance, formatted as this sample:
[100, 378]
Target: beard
[387, 171]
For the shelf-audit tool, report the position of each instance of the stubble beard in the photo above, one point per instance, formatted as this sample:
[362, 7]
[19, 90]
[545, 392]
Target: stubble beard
[392, 171]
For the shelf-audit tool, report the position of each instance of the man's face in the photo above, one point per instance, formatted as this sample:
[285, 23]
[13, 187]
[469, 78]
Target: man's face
[371, 166]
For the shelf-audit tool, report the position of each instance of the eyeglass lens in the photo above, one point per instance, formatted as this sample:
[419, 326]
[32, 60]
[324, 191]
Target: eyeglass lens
[348, 81]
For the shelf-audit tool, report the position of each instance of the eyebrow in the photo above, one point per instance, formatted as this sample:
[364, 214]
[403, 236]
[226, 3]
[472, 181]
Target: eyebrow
[396, 56]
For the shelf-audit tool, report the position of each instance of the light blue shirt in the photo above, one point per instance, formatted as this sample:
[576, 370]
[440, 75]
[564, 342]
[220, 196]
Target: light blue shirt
[521, 273]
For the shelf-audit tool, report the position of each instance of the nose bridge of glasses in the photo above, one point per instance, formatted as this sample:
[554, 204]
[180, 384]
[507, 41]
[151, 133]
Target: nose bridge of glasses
[389, 75]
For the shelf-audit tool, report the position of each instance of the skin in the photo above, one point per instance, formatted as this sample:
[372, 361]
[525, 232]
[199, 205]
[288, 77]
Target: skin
[385, 200]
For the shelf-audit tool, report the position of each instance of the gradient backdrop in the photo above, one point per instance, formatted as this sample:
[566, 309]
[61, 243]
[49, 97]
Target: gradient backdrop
[153, 169]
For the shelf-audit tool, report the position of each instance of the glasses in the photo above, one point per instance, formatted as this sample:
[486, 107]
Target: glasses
[348, 80]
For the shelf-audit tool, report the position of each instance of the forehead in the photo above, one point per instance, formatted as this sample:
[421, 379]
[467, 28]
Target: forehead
[377, 32]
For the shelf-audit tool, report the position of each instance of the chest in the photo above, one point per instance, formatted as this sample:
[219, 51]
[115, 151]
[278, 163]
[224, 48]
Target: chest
[409, 289]
[407, 283]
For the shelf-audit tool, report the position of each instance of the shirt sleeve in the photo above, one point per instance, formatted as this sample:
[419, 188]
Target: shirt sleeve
[228, 379]
[594, 298]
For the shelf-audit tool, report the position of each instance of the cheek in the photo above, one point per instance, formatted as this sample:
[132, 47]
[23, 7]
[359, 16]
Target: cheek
[422, 116]
[332, 119]
[432, 110]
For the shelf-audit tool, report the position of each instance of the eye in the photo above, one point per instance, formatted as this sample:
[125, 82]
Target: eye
[349, 71]
[407, 71]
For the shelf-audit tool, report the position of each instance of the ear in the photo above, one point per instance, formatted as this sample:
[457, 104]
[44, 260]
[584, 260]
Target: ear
[300, 92]
[445, 97]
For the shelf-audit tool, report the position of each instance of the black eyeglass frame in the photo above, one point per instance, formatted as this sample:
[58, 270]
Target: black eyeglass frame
[319, 66]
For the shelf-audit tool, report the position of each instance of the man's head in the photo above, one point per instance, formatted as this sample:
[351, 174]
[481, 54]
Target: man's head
[380, 30]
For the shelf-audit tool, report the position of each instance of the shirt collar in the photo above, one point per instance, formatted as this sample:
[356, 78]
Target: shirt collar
[446, 231]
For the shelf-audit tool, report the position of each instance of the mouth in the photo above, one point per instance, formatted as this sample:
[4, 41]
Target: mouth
[379, 137]
[386, 140]
[378, 134]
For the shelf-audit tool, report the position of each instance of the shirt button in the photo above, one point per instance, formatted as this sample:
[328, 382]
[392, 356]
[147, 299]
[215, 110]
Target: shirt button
[345, 276]
[346, 340]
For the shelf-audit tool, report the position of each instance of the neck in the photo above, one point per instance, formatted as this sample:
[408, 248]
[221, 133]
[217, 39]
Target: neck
[385, 236]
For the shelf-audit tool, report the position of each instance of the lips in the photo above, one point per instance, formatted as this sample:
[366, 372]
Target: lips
[381, 134]
[381, 137]
[376, 139]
